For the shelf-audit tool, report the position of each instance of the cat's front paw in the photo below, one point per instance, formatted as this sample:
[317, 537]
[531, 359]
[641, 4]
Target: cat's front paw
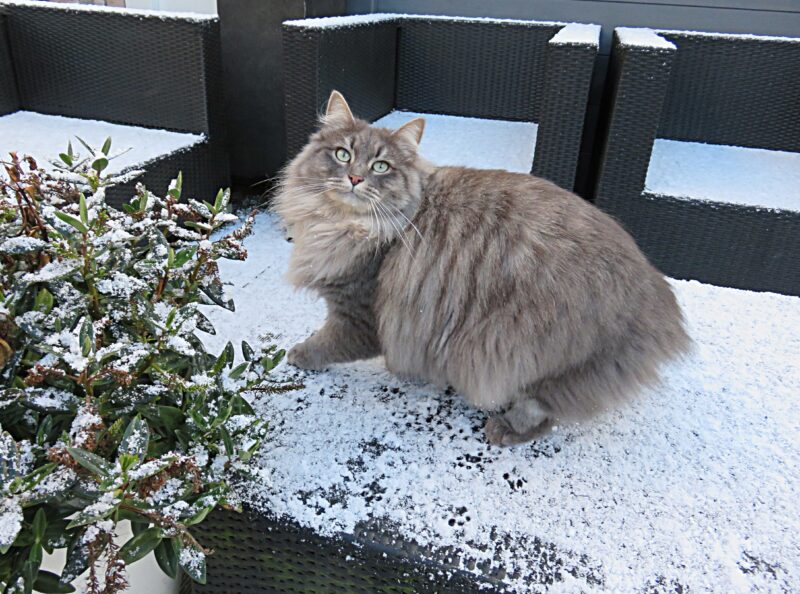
[305, 356]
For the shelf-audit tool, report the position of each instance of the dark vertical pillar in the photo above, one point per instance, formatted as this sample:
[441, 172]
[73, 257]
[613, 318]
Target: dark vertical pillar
[9, 99]
[252, 58]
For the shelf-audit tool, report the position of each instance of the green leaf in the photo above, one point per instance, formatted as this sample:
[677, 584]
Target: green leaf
[184, 255]
[99, 164]
[225, 358]
[106, 146]
[226, 440]
[171, 317]
[229, 353]
[176, 187]
[199, 516]
[247, 351]
[140, 545]
[240, 406]
[71, 221]
[83, 518]
[171, 416]
[49, 583]
[194, 565]
[87, 330]
[136, 438]
[85, 144]
[39, 525]
[237, 371]
[167, 553]
[218, 201]
[138, 527]
[82, 206]
[44, 430]
[128, 461]
[203, 323]
[66, 158]
[91, 462]
[44, 301]
[77, 558]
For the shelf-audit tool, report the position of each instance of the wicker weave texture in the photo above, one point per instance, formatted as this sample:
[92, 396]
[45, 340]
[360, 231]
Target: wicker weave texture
[563, 107]
[255, 554]
[639, 81]
[715, 242]
[9, 100]
[737, 91]
[112, 66]
[456, 67]
[478, 69]
[721, 244]
[357, 61]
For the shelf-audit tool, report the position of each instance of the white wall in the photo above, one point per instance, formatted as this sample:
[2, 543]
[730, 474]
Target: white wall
[144, 576]
[206, 6]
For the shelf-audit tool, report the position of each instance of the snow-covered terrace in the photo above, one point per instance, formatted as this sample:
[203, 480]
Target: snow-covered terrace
[694, 486]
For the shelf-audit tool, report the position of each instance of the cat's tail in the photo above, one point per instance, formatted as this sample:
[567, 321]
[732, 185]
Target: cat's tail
[612, 376]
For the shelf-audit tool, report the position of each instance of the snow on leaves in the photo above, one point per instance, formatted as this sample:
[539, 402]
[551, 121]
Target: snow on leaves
[111, 405]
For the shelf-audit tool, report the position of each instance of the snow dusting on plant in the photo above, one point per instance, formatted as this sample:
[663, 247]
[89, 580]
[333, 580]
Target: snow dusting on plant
[111, 407]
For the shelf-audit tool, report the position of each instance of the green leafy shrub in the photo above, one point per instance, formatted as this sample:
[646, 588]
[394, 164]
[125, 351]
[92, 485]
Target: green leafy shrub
[110, 407]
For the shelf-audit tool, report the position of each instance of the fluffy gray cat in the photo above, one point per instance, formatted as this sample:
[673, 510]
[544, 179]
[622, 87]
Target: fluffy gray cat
[529, 301]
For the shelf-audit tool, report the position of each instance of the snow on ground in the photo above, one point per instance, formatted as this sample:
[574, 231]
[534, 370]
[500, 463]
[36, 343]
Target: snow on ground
[694, 486]
[38, 135]
[721, 173]
[472, 142]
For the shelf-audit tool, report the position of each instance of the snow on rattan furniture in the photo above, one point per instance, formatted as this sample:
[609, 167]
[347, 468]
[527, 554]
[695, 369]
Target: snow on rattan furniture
[150, 80]
[533, 74]
[702, 154]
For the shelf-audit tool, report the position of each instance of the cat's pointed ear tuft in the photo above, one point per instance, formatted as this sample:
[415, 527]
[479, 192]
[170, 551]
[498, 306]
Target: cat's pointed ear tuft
[338, 112]
[411, 131]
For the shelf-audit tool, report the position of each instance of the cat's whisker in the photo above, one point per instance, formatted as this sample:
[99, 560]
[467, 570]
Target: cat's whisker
[410, 222]
[377, 230]
[397, 227]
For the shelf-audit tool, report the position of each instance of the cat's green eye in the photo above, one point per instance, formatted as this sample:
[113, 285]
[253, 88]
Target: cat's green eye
[342, 155]
[380, 167]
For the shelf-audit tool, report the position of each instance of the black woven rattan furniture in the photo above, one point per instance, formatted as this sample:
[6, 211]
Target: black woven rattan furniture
[704, 88]
[254, 554]
[496, 69]
[126, 67]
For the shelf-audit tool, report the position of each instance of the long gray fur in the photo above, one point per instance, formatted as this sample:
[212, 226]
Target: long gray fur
[526, 299]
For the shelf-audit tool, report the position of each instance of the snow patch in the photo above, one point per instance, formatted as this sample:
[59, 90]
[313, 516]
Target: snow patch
[472, 142]
[578, 34]
[636, 37]
[720, 173]
[133, 12]
[44, 136]
[357, 20]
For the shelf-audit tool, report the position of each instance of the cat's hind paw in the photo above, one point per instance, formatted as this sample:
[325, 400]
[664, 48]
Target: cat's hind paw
[305, 356]
[500, 432]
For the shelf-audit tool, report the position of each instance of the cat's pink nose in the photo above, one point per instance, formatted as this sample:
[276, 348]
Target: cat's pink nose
[355, 179]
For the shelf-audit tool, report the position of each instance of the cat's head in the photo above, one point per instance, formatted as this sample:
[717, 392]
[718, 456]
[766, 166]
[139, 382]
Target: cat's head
[348, 166]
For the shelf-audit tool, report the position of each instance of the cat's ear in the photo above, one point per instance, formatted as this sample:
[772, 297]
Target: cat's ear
[338, 112]
[411, 131]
